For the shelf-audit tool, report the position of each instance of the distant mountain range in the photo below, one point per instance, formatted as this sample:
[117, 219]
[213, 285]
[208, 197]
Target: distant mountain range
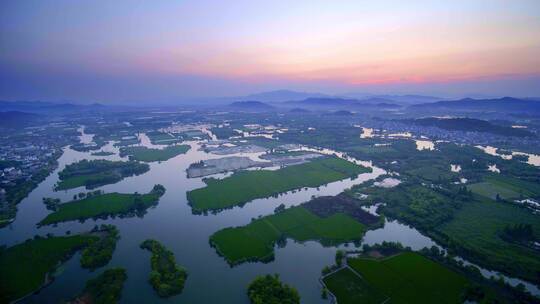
[335, 102]
[279, 96]
[400, 99]
[504, 105]
[282, 95]
[251, 106]
[470, 124]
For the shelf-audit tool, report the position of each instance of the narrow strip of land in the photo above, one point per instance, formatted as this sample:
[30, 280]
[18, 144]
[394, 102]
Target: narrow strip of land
[104, 205]
[245, 186]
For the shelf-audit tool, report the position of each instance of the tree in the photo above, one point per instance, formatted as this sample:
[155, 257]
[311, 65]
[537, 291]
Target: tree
[340, 254]
[269, 289]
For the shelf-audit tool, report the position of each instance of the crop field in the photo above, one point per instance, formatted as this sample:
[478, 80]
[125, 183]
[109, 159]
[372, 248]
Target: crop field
[160, 138]
[349, 288]
[256, 240]
[506, 187]
[432, 173]
[411, 278]
[101, 205]
[476, 227]
[245, 186]
[24, 266]
[151, 155]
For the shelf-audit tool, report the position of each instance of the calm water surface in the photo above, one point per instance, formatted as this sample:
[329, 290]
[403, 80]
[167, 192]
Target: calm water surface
[211, 279]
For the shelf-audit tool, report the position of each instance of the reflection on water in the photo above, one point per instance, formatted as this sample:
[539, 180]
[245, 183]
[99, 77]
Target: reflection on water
[186, 234]
[393, 231]
[455, 168]
[532, 159]
[493, 168]
[388, 182]
[85, 138]
[424, 145]
[366, 133]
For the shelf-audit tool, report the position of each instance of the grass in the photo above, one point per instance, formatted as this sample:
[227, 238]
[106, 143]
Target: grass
[102, 205]
[245, 186]
[160, 138]
[256, 240]
[411, 278]
[349, 288]
[151, 155]
[476, 227]
[24, 266]
[507, 187]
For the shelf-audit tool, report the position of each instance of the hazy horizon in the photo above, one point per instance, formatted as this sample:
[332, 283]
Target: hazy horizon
[165, 51]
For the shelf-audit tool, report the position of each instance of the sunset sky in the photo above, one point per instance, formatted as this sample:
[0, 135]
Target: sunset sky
[117, 51]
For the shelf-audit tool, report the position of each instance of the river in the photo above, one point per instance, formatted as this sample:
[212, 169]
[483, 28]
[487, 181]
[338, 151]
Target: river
[211, 279]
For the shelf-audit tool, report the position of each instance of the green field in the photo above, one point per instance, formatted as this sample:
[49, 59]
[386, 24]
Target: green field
[507, 187]
[411, 278]
[103, 205]
[102, 153]
[476, 228]
[256, 240]
[245, 186]
[160, 138]
[24, 266]
[96, 173]
[349, 288]
[151, 155]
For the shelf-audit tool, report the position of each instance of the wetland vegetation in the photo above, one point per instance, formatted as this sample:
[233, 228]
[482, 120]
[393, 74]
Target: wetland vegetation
[245, 186]
[167, 278]
[269, 289]
[326, 219]
[96, 173]
[28, 266]
[106, 288]
[99, 252]
[141, 153]
[104, 205]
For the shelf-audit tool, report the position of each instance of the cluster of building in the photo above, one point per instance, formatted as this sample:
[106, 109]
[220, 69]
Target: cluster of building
[463, 137]
[25, 154]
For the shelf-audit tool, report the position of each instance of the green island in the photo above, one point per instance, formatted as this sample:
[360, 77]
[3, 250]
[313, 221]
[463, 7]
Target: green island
[145, 154]
[104, 205]
[329, 220]
[28, 266]
[269, 289]
[96, 173]
[407, 277]
[99, 252]
[245, 186]
[127, 142]
[103, 289]
[161, 138]
[102, 153]
[167, 278]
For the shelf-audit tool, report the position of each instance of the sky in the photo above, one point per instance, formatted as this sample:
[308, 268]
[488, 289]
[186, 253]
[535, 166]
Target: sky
[153, 51]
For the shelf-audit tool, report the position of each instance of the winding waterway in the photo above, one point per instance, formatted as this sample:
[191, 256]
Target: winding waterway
[211, 279]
